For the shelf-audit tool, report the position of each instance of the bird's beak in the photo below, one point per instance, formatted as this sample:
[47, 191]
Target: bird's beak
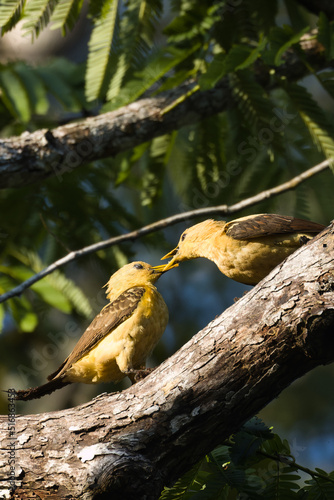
[170, 254]
[159, 269]
[164, 267]
[172, 263]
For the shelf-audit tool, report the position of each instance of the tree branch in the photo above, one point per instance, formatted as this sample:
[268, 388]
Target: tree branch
[163, 223]
[131, 444]
[36, 156]
[41, 154]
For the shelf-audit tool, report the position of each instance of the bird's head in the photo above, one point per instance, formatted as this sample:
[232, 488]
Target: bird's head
[192, 242]
[131, 275]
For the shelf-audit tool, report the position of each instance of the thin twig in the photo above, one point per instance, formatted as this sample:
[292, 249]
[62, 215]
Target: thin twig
[290, 461]
[163, 223]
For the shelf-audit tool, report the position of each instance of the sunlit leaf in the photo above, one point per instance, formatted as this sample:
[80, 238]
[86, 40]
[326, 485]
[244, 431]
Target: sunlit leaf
[37, 16]
[99, 49]
[10, 14]
[66, 15]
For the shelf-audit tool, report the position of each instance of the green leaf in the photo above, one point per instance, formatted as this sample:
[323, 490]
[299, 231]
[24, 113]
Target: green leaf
[236, 57]
[214, 72]
[248, 440]
[134, 51]
[46, 290]
[23, 314]
[26, 89]
[66, 15]
[58, 78]
[326, 35]
[55, 289]
[20, 273]
[193, 25]
[14, 94]
[10, 14]
[276, 446]
[28, 322]
[319, 126]
[254, 104]
[157, 67]
[52, 296]
[242, 56]
[319, 490]
[100, 45]
[37, 14]
[72, 293]
[257, 427]
[184, 487]
[280, 40]
[34, 87]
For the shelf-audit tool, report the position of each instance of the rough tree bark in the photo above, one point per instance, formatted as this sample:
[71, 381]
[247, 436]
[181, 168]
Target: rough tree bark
[130, 444]
[36, 156]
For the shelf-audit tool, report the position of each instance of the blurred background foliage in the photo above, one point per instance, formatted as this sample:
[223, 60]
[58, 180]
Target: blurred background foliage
[111, 53]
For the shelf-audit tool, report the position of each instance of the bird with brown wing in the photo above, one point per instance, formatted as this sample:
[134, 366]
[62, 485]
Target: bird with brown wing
[245, 249]
[120, 337]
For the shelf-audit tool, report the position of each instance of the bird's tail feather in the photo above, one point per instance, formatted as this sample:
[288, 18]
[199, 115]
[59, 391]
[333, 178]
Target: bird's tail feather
[42, 390]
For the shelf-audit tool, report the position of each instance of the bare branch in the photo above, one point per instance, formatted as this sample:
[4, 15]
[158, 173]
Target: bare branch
[163, 223]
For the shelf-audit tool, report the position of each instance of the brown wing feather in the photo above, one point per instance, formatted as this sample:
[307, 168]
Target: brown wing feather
[109, 318]
[269, 224]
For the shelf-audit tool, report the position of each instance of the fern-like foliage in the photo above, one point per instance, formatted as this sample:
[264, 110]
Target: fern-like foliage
[120, 42]
[320, 488]
[158, 65]
[187, 486]
[279, 41]
[255, 464]
[251, 99]
[66, 14]
[10, 14]
[100, 46]
[256, 111]
[55, 289]
[26, 90]
[37, 16]
[136, 32]
[315, 119]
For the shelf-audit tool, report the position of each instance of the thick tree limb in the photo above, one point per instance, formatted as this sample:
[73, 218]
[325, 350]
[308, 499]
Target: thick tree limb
[36, 156]
[130, 444]
[163, 223]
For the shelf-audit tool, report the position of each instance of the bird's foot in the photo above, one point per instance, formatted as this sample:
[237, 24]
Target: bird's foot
[139, 374]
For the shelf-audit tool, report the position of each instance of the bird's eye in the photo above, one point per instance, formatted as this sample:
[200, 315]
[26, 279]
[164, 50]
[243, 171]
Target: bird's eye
[138, 266]
[183, 236]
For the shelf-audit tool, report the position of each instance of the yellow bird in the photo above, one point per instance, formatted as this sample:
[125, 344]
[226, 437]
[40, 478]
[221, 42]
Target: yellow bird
[120, 337]
[245, 249]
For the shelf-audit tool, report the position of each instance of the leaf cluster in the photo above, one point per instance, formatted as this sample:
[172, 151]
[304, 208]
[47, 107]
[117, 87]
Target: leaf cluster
[137, 48]
[254, 464]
